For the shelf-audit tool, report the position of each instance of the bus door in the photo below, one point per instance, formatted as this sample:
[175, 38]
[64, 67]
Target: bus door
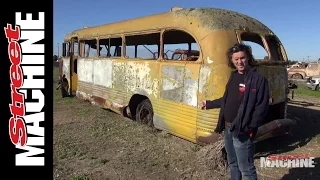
[73, 76]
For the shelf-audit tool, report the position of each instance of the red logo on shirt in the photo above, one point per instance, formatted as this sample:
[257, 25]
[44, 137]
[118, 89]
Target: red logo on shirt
[242, 88]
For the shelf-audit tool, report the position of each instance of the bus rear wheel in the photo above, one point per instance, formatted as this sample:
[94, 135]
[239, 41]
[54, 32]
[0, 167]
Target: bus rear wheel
[144, 112]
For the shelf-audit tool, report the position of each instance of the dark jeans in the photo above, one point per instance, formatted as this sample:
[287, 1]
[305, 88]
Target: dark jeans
[240, 152]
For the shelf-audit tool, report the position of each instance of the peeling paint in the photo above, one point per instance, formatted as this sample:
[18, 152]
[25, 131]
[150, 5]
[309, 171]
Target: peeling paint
[86, 97]
[205, 72]
[172, 83]
[190, 88]
[209, 60]
[139, 77]
[191, 91]
[118, 75]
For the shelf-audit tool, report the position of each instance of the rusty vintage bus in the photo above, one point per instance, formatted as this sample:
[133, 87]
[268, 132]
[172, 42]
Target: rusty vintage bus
[127, 67]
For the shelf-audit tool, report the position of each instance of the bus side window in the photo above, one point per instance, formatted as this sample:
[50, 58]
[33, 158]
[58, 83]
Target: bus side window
[180, 46]
[142, 46]
[110, 47]
[255, 42]
[65, 49]
[88, 48]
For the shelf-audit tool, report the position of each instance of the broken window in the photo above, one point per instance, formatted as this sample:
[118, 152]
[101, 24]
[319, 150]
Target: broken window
[274, 48]
[110, 47]
[144, 46]
[75, 48]
[88, 48]
[66, 49]
[255, 42]
[179, 46]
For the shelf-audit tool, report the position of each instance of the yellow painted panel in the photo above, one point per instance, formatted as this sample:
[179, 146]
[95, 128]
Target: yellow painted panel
[74, 82]
[178, 118]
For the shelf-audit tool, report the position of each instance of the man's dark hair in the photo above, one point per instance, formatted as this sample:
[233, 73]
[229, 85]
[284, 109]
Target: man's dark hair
[237, 48]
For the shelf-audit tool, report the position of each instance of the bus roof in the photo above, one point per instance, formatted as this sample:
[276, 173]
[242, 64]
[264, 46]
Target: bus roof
[208, 19]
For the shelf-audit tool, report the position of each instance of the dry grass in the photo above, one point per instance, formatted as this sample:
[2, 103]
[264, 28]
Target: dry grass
[212, 156]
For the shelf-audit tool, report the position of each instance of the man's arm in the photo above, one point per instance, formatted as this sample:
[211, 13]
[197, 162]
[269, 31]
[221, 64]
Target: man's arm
[213, 104]
[261, 106]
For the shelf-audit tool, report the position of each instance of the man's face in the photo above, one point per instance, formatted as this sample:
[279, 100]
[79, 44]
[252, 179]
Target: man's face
[240, 60]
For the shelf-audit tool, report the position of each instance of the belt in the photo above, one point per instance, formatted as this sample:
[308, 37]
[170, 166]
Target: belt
[228, 124]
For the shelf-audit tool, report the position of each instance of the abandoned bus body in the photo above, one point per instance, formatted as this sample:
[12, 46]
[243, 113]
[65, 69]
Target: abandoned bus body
[127, 67]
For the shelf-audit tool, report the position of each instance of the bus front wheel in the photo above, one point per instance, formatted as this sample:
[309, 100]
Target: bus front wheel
[144, 112]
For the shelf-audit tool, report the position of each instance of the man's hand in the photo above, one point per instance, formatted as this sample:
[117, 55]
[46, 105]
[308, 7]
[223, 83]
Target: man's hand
[204, 104]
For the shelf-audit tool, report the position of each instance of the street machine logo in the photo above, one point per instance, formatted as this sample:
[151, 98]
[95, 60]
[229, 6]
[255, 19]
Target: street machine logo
[27, 62]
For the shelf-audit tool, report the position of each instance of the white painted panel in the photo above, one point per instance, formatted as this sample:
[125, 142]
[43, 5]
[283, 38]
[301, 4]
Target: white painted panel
[80, 69]
[85, 70]
[102, 73]
[66, 67]
[191, 92]
[205, 73]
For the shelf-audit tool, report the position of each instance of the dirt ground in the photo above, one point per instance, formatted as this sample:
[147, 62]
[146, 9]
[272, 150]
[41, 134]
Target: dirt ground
[92, 143]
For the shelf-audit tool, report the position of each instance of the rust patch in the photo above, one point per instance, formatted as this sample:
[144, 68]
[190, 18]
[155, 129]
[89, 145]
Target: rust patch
[100, 101]
[80, 96]
[221, 19]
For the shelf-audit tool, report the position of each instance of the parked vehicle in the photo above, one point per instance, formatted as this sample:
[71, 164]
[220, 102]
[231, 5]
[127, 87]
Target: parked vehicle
[304, 71]
[314, 83]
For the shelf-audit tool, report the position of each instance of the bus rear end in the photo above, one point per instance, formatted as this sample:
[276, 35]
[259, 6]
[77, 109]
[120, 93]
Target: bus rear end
[270, 58]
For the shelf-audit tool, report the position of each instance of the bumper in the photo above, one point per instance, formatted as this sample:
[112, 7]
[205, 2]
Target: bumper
[274, 128]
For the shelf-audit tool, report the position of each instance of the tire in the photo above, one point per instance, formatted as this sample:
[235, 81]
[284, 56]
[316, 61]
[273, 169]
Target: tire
[144, 113]
[317, 88]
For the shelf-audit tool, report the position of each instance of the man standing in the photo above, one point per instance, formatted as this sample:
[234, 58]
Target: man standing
[63, 85]
[244, 106]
